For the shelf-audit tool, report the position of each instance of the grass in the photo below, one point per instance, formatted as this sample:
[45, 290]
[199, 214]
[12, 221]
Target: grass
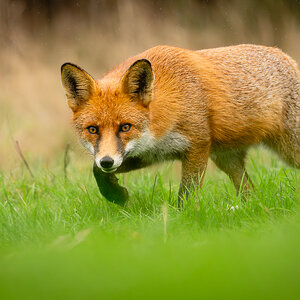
[59, 239]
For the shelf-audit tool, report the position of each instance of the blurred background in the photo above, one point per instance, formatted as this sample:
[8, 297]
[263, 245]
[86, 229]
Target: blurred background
[37, 36]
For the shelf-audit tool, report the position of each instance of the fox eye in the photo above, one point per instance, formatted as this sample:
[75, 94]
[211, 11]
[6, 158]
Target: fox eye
[92, 129]
[125, 127]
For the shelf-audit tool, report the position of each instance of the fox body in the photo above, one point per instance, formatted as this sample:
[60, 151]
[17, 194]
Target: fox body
[172, 103]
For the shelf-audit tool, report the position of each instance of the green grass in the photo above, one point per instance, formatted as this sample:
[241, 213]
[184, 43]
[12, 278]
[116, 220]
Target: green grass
[59, 239]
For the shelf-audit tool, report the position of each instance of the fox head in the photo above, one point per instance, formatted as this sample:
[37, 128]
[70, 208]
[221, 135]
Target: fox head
[111, 115]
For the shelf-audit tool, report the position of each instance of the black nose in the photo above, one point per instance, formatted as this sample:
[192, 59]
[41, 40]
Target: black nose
[106, 162]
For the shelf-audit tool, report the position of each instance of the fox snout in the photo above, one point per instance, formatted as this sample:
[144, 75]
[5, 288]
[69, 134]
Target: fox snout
[108, 164]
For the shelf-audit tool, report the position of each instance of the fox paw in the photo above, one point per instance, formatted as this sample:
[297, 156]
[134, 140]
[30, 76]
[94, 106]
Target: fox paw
[109, 187]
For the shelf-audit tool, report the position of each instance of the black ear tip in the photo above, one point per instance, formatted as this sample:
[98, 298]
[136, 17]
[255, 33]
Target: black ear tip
[64, 65]
[69, 64]
[142, 61]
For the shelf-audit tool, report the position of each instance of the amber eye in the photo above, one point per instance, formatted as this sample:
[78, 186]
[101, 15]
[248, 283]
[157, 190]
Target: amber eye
[92, 129]
[125, 127]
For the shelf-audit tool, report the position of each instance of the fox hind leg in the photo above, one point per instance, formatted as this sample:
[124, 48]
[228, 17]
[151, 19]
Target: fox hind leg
[288, 148]
[286, 141]
[233, 164]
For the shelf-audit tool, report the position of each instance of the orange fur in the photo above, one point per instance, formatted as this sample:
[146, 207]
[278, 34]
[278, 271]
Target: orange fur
[214, 102]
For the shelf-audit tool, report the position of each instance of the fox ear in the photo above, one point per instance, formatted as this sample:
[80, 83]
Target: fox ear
[138, 81]
[79, 85]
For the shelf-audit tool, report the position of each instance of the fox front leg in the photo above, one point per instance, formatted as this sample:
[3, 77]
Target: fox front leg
[108, 182]
[194, 163]
[109, 187]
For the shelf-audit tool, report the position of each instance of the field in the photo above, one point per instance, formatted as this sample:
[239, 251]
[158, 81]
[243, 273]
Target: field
[59, 239]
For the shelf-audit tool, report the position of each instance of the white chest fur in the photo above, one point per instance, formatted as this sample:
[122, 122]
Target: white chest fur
[152, 149]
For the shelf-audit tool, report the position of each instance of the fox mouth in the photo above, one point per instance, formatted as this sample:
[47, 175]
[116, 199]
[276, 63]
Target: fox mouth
[109, 170]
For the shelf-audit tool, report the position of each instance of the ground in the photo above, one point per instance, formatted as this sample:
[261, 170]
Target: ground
[59, 239]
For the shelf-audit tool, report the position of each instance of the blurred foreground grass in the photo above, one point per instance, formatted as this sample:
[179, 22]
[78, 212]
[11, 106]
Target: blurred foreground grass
[59, 239]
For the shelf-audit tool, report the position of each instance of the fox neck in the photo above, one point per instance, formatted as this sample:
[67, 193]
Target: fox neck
[152, 149]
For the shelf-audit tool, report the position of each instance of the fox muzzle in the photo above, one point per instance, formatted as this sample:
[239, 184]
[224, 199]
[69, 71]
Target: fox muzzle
[107, 163]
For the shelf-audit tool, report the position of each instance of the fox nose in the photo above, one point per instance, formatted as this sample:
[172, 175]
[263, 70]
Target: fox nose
[106, 162]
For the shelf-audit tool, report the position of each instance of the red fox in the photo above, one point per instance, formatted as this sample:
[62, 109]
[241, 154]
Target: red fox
[170, 103]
